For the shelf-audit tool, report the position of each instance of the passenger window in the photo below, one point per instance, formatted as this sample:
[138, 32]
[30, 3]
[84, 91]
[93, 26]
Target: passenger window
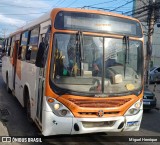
[23, 46]
[5, 45]
[12, 47]
[9, 47]
[19, 52]
[33, 45]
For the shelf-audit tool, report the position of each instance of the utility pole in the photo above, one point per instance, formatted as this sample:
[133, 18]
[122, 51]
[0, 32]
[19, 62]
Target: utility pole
[151, 23]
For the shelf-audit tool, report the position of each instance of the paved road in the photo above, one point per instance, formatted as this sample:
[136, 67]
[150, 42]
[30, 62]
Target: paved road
[15, 119]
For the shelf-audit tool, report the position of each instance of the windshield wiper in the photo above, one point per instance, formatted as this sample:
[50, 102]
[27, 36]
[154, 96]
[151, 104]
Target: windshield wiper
[126, 47]
[79, 50]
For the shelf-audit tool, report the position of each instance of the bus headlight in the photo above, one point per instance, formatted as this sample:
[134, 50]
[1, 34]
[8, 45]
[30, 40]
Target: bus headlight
[59, 109]
[134, 109]
[56, 106]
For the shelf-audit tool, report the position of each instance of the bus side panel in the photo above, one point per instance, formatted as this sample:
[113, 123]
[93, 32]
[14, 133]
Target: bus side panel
[18, 83]
[26, 77]
[7, 68]
[4, 67]
[10, 73]
[29, 78]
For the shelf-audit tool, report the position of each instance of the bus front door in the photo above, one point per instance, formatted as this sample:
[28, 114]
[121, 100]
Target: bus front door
[40, 93]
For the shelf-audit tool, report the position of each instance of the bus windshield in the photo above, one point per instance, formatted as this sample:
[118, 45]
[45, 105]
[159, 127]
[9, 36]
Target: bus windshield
[103, 69]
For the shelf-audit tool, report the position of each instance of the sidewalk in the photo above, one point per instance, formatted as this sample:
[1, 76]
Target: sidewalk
[3, 131]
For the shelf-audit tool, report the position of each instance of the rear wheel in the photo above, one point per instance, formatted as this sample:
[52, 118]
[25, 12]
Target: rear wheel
[7, 85]
[28, 107]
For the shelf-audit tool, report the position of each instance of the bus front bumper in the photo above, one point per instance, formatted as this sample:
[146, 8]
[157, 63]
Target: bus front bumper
[110, 124]
[54, 125]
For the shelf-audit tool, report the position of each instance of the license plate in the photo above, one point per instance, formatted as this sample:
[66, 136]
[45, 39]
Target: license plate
[146, 103]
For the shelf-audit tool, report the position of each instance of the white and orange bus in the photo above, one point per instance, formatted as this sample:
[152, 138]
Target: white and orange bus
[78, 71]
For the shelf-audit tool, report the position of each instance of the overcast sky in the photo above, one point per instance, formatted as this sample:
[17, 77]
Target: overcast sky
[16, 13]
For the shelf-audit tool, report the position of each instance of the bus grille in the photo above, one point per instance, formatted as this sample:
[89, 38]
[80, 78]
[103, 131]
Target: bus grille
[98, 124]
[95, 113]
[106, 103]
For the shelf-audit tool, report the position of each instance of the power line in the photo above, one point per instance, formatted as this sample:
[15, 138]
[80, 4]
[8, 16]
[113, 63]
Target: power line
[99, 3]
[58, 3]
[143, 12]
[71, 3]
[115, 9]
[122, 5]
[140, 10]
[104, 9]
[144, 2]
[132, 10]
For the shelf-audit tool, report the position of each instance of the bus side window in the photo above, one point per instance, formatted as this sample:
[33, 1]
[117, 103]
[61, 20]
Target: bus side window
[12, 46]
[19, 52]
[5, 47]
[33, 45]
[2, 50]
[9, 47]
[23, 46]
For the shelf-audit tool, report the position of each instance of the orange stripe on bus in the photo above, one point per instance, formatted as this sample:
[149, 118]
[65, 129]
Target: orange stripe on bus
[11, 61]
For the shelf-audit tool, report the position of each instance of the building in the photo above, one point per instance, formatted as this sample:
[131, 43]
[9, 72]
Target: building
[140, 11]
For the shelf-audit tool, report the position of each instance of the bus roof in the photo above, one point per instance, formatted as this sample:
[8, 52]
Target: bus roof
[94, 12]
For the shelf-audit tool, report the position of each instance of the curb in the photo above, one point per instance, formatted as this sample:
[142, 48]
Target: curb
[3, 130]
[4, 133]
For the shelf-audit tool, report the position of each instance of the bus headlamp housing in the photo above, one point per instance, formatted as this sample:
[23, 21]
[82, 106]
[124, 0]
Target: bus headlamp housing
[59, 109]
[63, 112]
[134, 109]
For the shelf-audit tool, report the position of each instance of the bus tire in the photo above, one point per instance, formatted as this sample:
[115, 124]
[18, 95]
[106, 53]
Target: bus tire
[7, 84]
[28, 106]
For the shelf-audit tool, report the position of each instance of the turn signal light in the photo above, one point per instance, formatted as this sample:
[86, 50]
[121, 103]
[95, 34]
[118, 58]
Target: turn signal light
[50, 100]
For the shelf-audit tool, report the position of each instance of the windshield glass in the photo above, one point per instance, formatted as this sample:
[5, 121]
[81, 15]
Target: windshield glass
[101, 67]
